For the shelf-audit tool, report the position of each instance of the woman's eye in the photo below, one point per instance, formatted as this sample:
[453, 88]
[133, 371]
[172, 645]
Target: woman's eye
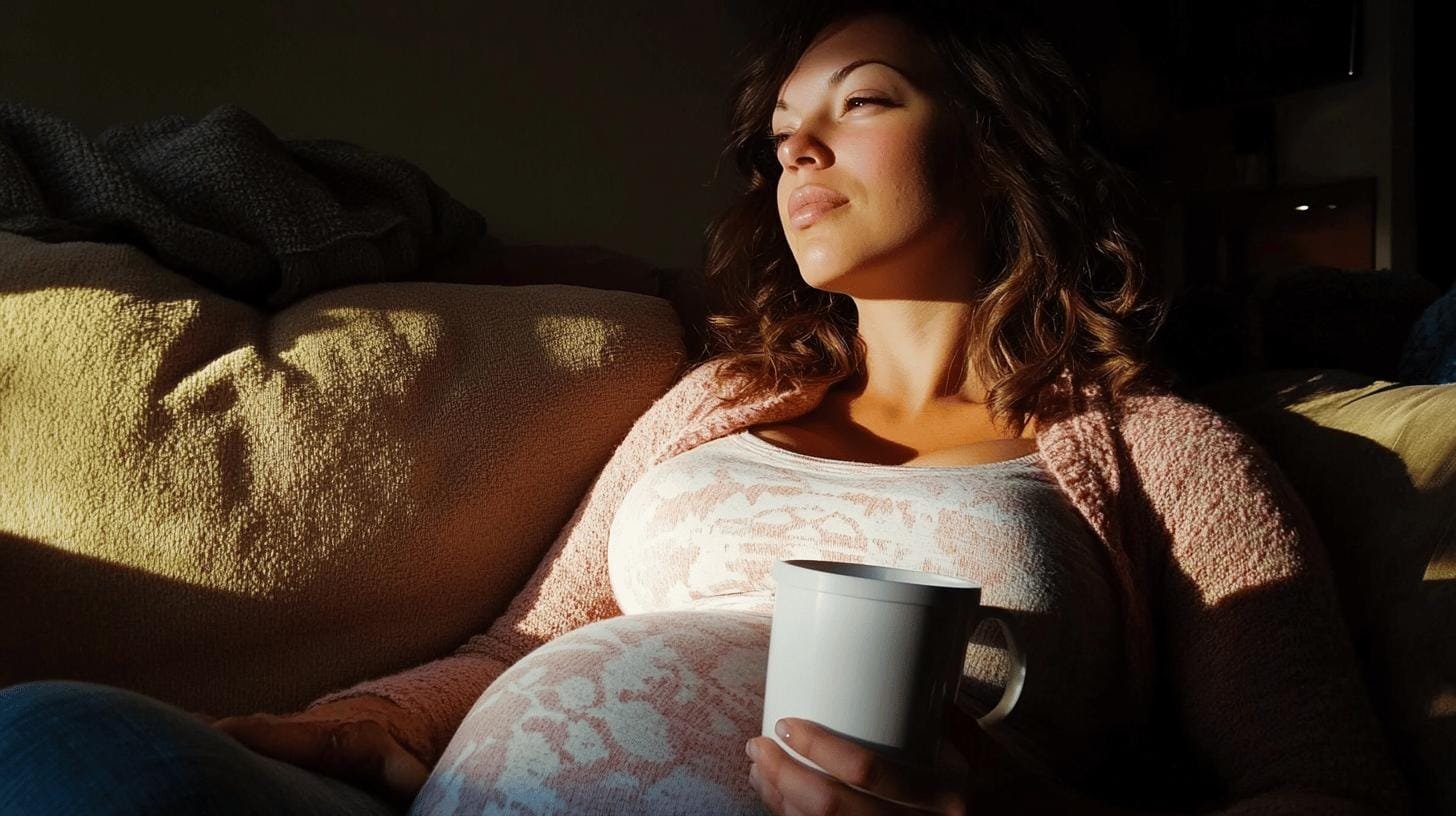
[776, 139]
[869, 100]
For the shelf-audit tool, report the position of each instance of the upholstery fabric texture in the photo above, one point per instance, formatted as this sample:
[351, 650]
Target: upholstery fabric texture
[234, 511]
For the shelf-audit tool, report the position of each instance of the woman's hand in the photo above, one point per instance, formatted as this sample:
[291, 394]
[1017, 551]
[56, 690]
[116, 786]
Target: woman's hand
[861, 781]
[347, 739]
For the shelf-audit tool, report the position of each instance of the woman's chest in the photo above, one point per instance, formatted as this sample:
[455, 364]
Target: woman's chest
[843, 431]
[709, 524]
[702, 530]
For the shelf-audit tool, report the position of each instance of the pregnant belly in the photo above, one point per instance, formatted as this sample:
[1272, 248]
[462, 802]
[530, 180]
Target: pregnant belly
[641, 714]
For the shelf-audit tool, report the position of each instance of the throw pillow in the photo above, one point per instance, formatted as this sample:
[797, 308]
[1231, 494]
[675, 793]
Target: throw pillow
[236, 512]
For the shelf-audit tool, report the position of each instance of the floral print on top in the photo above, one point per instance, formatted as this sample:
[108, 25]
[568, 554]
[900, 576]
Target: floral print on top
[701, 531]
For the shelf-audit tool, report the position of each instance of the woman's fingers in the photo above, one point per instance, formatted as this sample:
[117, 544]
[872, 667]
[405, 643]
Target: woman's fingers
[403, 775]
[862, 768]
[791, 788]
[299, 743]
[361, 752]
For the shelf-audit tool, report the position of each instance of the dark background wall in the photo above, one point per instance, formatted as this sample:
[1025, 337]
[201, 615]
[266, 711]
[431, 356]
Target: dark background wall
[561, 122]
[600, 123]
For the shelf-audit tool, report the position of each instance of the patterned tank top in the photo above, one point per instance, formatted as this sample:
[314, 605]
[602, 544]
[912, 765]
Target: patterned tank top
[702, 530]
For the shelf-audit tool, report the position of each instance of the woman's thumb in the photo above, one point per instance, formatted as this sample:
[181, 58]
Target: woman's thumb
[403, 775]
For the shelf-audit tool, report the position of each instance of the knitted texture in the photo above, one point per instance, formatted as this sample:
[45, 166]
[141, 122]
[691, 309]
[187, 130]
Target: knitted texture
[1226, 594]
[226, 202]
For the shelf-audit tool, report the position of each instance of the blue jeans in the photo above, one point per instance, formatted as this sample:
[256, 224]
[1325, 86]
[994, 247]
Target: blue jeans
[71, 747]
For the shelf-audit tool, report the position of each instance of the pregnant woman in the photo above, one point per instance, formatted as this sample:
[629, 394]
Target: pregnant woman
[932, 352]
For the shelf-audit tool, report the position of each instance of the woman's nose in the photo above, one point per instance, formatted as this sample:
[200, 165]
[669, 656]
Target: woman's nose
[802, 148]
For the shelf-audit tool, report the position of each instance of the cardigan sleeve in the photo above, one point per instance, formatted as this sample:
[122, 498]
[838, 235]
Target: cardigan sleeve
[1262, 671]
[569, 589]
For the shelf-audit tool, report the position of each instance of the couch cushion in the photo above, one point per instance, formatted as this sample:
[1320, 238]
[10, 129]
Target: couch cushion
[592, 266]
[1375, 462]
[236, 512]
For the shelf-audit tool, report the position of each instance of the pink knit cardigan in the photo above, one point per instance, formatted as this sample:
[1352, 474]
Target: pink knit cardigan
[1226, 593]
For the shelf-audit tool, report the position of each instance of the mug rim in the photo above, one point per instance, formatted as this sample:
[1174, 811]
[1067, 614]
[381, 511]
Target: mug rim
[876, 582]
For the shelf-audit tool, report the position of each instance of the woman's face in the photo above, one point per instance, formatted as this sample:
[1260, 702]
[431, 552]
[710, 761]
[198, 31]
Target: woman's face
[867, 133]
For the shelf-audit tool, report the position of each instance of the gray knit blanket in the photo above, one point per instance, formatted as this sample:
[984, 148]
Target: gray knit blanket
[227, 203]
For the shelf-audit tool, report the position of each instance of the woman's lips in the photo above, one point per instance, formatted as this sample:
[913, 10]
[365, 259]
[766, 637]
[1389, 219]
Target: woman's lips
[805, 216]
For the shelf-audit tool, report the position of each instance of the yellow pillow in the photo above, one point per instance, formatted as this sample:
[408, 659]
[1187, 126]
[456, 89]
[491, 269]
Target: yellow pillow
[1375, 462]
[234, 511]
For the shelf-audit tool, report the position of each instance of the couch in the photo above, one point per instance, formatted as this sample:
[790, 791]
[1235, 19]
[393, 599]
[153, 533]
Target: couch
[236, 511]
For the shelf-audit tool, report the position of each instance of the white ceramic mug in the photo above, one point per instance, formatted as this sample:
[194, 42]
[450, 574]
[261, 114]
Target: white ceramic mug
[873, 652]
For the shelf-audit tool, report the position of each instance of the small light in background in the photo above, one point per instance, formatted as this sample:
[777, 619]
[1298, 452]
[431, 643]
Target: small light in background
[1302, 207]
[1329, 206]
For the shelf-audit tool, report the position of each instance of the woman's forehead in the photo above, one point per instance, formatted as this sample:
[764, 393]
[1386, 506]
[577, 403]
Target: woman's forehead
[877, 37]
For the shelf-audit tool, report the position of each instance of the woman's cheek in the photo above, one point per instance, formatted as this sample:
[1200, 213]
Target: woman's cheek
[900, 162]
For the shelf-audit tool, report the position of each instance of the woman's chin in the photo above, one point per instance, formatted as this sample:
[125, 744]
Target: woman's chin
[826, 280]
[819, 268]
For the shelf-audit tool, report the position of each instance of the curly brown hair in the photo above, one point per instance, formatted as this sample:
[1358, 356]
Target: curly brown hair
[1065, 299]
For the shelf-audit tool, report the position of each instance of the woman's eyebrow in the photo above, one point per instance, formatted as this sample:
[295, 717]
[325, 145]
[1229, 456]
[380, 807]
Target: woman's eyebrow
[838, 77]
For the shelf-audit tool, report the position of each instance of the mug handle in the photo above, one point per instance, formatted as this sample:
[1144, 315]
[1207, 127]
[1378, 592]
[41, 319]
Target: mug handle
[1016, 677]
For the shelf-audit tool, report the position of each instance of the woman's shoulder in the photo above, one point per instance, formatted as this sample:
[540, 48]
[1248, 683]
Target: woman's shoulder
[699, 388]
[1188, 455]
[705, 375]
[696, 393]
[715, 384]
[1164, 429]
[1164, 437]
[1159, 410]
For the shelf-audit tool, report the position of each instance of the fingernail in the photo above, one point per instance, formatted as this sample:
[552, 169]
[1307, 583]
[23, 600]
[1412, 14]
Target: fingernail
[782, 729]
[753, 774]
[751, 748]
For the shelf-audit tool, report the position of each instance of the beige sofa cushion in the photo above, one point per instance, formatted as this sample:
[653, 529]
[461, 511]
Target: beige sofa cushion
[1375, 462]
[237, 512]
